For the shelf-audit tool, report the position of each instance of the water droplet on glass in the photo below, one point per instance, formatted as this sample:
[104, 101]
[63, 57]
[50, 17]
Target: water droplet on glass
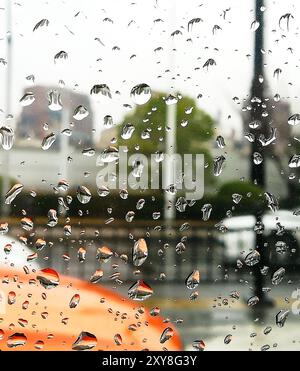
[140, 291]
[193, 280]
[48, 278]
[141, 94]
[104, 253]
[257, 158]
[7, 137]
[219, 165]
[139, 252]
[281, 318]
[284, 20]
[209, 63]
[228, 339]
[109, 154]
[199, 345]
[54, 99]
[17, 339]
[206, 210]
[171, 99]
[96, 277]
[118, 339]
[220, 142]
[129, 216]
[83, 194]
[237, 198]
[252, 259]
[140, 204]
[27, 99]
[127, 131]
[74, 301]
[60, 56]
[167, 334]
[294, 162]
[254, 300]
[101, 90]
[85, 341]
[80, 113]
[294, 120]
[42, 23]
[13, 193]
[255, 26]
[48, 141]
[281, 247]
[278, 276]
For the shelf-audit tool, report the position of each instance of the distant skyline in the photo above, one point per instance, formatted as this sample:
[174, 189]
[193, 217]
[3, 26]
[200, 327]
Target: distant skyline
[129, 26]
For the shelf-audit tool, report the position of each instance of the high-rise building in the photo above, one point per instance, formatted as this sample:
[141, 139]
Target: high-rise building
[36, 117]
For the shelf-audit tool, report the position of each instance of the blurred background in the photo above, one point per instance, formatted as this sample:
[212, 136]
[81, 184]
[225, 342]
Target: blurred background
[231, 68]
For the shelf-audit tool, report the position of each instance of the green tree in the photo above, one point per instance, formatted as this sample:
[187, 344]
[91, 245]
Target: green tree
[192, 137]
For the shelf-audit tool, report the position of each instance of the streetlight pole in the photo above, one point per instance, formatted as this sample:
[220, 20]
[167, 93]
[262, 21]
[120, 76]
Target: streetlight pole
[171, 130]
[258, 171]
[5, 153]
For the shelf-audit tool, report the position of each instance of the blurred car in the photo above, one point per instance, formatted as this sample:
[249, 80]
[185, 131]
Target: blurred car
[42, 310]
[281, 228]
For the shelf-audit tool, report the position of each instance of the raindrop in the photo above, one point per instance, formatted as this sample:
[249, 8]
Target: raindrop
[255, 26]
[74, 301]
[83, 194]
[80, 113]
[13, 193]
[109, 154]
[48, 141]
[52, 218]
[209, 63]
[257, 158]
[127, 131]
[140, 291]
[108, 122]
[219, 165]
[281, 318]
[42, 23]
[27, 99]
[101, 90]
[17, 339]
[167, 334]
[199, 345]
[206, 210]
[85, 341]
[254, 300]
[96, 277]
[60, 56]
[139, 252]
[141, 94]
[294, 120]
[278, 276]
[193, 280]
[285, 19]
[237, 198]
[54, 101]
[171, 99]
[228, 339]
[252, 259]
[294, 162]
[220, 142]
[129, 216]
[48, 278]
[104, 253]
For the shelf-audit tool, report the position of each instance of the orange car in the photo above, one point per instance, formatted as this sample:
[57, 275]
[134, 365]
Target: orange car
[45, 311]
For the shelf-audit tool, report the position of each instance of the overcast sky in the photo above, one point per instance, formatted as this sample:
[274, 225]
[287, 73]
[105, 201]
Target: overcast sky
[74, 25]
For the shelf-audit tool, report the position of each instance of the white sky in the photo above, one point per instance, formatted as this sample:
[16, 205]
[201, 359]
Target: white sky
[33, 52]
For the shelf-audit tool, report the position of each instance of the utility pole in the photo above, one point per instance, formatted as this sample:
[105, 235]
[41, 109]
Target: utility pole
[171, 129]
[5, 166]
[258, 171]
